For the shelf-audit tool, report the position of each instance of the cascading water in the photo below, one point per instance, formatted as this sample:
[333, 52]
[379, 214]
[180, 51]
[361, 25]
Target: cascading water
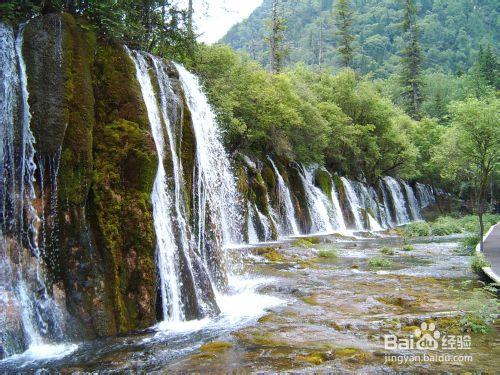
[186, 288]
[352, 198]
[40, 315]
[317, 202]
[216, 182]
[253, 237]
[398, 200]
[265, 224]
[338, 210]
[286, 207]
[414, 207]
[425, 195]
[367, 196]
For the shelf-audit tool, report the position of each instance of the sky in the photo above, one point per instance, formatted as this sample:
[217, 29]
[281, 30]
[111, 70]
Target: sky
[213, 18]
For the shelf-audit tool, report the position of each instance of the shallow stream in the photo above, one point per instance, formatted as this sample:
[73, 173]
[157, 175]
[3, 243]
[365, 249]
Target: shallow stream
[320, 306]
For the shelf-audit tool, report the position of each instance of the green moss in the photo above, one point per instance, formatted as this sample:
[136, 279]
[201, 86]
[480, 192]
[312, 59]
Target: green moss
[303, 242]
[328, 254]
[125, 165]
[216, 346]
[315, 358]
[270, 253]
[407, 247]
[324, 181]
[311, 300]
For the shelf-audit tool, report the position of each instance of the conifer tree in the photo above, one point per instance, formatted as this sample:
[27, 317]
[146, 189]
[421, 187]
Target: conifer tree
[412, 60]
[277, 50]
[344, 21]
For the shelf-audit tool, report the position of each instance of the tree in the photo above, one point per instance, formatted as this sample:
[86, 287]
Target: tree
[412, 61]
[277, 51]
[345, 20]
[470, 149]
[487, 67]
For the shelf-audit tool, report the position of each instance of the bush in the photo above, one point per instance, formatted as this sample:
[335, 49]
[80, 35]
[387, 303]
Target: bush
[407, 247]
[387, 251]
[328, 254]
[446, 225]
[418, 229]
[379, 262]
[478, 262]
[468, 244]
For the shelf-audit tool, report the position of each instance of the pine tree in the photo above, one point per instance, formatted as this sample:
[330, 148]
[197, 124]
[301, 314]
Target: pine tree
[487, 66]
[345, 20]
[412, 60]
[277, 50]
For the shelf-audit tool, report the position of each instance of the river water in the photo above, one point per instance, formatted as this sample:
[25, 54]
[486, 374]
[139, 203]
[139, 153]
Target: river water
[294, 310]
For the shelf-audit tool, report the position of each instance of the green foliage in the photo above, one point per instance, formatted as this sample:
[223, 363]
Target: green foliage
[470, 147]
[446, 225]
[411, 62]
[345, 21]
[407, 247]
[387, 251]
[328, 254]
[478, 262]
[379, 262]
[418, 229]
[481, 310]
[156, 25]
[451, 33]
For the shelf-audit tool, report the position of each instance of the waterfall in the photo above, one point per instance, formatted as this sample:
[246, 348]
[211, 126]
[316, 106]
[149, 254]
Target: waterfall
[265, 224]
[26, 284]
[353, 201]
[317, 203]
[369, 202]
[425, 195]
[188, 272]
[217, 183]
[9, 79]
[414, 206]
[398, 200]
[285, 203]
[252, 232]
[339, 218]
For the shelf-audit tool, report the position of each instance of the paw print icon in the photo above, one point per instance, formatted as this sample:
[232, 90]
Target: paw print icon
[427, 336]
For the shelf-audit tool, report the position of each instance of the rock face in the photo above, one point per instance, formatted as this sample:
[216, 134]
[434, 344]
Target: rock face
[96, 164]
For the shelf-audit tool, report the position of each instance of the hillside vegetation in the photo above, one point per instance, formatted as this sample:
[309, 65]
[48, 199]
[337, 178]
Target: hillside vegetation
[451, 33]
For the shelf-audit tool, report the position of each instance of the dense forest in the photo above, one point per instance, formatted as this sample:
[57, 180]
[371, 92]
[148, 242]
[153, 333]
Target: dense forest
[354, 123]
[451, 33]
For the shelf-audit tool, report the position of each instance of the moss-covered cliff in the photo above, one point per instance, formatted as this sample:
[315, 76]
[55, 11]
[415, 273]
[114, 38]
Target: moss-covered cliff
[97, 162]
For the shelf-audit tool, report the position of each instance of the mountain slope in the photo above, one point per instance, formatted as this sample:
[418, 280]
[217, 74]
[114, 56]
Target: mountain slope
[451, 33]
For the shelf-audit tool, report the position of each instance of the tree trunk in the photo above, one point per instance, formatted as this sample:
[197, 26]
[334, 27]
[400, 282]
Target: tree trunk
[190, 18]
[481, 230]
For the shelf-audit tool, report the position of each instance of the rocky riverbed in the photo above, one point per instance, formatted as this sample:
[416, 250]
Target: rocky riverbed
[318, 304]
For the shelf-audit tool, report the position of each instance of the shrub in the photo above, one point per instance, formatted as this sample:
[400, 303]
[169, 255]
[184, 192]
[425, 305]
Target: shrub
[418, 229]
[477, 263]
[407, 247]
[387, 251]
[379, 262]
[446, 225]
[328, 254]
[468, 244]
